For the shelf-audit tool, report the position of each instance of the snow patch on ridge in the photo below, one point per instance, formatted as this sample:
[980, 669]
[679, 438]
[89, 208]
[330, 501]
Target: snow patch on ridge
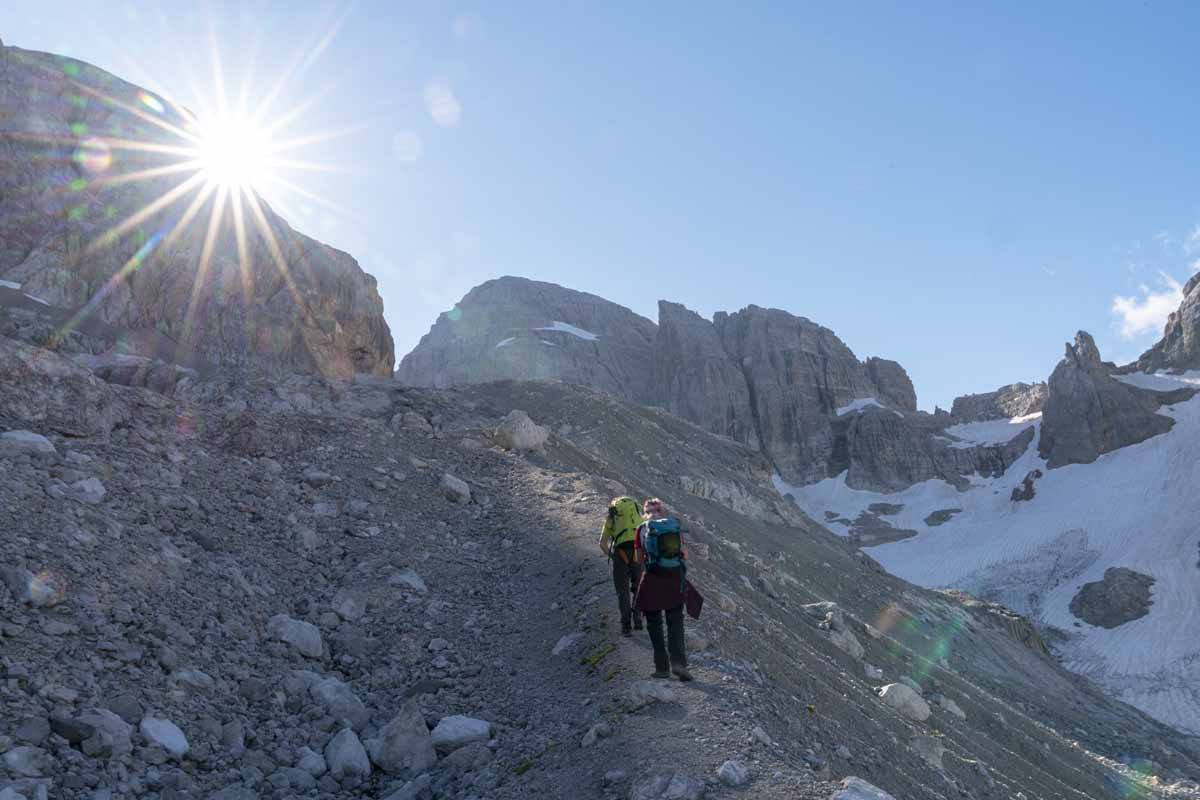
[1160, 381]
[1135, 507]
[991, 432]
[10, 285]
[505, 342]
[566, 327]
[858, 405]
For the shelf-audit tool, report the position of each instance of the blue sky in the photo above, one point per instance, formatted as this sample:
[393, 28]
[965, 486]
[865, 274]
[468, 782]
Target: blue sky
[957, 188]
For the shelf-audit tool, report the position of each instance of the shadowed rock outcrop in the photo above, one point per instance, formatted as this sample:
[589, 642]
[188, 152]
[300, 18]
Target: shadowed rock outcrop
[1014, 400]
[1089, 413]
[76, 233]
[1123, 595]
[695, 378]
[515, 328]
[892, 384]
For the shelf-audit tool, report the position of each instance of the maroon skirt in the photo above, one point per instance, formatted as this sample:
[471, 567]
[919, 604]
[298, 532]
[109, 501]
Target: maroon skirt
[660, 591]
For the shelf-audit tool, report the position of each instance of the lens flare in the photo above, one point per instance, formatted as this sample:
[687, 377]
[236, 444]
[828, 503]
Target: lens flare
[94, 155]
[151, 102]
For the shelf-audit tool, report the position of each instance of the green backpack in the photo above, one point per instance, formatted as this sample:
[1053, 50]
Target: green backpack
[624, 517]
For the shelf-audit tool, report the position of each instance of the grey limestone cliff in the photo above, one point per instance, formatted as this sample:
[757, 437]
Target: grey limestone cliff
[1179, 347]
[1013, 400]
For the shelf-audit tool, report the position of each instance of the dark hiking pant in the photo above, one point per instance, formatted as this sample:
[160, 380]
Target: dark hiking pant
[626, 575]
[669, 651]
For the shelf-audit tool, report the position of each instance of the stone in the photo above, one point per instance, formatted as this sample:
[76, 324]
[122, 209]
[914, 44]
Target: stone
[1121, 596]
[858, 789]
[89, 491]
[892, 385]
[1089, 413]
[127, 707]
[346, 757]
[595, 733]
[848, 643]
[111, 736]
[33, 730]
[28, 762]
[416, 789]
[349, 604]
[311, 762]
[42, 590]
[303, 636]
[458, 731]
[73, 729]
[646, 692]
[455, 490]
[566, 642]
[1026, 489]
[25, 442]
[948, 705]
[906, 701]
[733, 774]
[403, 746]
[340, 702]
[873, 672]
[668, 786]
[409, 578]
[165, 734]
[518, 432]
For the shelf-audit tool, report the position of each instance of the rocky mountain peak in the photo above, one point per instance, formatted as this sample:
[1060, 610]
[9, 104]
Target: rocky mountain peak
[1088, 412]
[77, 237]
[1179, 347]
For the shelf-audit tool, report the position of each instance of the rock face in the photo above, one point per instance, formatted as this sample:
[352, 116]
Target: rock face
[1122, 596]
[72, 236]
[1013, 400]
[695, 378]
[892, 384]
[1179, 347]
[515, 328]
[1089, 413]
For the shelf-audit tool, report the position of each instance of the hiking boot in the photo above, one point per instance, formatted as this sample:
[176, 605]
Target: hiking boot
[661, 674]
[681, 673]
[638, 624]
[626, 629]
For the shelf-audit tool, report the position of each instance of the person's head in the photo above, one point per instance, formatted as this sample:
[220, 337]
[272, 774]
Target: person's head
[654, 508]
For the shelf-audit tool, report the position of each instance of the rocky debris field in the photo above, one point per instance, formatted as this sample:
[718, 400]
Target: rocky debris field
[309, 589]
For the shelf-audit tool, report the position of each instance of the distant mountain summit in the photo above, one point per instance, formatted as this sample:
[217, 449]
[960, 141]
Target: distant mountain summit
[764, 377]
[91, 222]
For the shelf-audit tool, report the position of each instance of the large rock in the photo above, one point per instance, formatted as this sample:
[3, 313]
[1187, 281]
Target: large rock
[905, 700]
[1013, 400]
[37, 385]
[165, 734]
[1088, 412]
[346, 757]
[403, 746]
[340, 702]
[1123, 595]
[458, 731]
[858, 789]
[668, 786]
[15, 443]
[291, 303]
[1179, 347]
[110, 735]
[518, 432]
[695, 378]
[304, 636]
[522, 329]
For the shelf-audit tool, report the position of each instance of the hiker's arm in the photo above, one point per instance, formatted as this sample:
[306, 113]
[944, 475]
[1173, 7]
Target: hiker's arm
[606, 538]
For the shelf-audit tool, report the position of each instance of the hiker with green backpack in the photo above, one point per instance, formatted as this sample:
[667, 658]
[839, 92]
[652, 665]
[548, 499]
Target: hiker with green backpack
[617, 539]
[664, 589]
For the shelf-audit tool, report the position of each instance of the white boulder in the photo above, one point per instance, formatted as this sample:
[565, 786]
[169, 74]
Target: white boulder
[303, 636]
[457, 731]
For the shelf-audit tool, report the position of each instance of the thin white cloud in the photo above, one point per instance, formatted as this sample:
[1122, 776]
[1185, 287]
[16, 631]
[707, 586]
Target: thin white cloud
[442, 103]
[1147, 311]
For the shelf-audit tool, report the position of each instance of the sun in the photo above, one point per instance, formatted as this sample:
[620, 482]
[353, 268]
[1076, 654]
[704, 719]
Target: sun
[234, 153]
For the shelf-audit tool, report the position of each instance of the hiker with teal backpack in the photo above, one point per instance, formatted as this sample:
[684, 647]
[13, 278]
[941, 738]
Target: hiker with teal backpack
[664, 589]
[617, 539]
